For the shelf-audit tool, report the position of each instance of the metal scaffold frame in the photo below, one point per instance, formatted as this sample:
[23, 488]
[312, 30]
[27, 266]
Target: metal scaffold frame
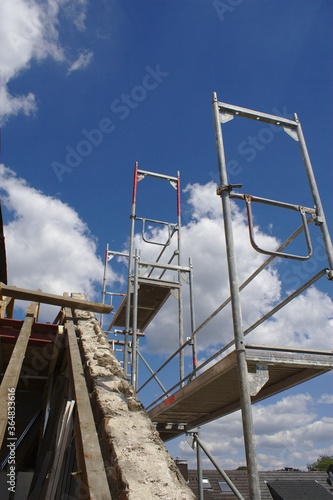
[140, 273]
[222, 113]
[224, 382]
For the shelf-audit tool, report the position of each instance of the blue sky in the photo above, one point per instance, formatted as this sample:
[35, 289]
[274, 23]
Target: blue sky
[88, 88]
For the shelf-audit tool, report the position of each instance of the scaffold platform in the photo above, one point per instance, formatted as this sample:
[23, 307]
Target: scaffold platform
[215, 392]
[151, 297]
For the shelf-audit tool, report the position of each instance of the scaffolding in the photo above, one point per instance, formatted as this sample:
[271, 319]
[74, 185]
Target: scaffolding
[250, 373]
[147, 286]
[222, 113]
[44, 366]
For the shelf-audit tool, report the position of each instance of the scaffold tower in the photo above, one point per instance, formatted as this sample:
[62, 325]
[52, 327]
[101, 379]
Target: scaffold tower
[228, 381]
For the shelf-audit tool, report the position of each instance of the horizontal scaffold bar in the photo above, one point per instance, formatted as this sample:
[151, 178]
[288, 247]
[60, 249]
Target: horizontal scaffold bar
[55, 300]
[159, 176]
[266, 201]
[256, 115]
[168, 267]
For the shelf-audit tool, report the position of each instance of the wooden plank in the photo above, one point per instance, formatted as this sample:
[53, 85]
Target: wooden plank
[58, 345]
[151, 298]
[13, 370]
[55, 300]
[89, 454]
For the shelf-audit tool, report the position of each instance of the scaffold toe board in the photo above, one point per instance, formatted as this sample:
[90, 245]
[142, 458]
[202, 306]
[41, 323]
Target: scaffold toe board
[215, 392]
[151, 297]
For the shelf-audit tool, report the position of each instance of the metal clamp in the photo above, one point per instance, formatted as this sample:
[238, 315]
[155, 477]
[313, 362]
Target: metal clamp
[329, 274]
[227, 187]
[279, 254]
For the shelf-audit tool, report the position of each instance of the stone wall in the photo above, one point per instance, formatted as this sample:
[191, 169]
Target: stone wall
[137, 462]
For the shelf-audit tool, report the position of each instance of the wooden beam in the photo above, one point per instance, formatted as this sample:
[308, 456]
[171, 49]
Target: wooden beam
[89, 456]
[59, 318]
[6, 305]
[12, 374]
[56, 300]
[58, 345]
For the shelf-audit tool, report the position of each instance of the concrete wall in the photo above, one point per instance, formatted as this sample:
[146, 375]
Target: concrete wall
[137, 461]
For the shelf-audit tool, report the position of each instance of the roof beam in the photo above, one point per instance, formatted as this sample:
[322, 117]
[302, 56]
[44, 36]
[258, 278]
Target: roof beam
[12, 374]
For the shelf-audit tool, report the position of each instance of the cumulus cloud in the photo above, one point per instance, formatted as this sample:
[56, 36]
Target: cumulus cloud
[288, 433]
[48, 246]
[326, 399]
[30, 32]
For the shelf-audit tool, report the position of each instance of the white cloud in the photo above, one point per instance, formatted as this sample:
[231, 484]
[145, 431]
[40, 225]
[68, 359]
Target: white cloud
[29, 31]
[326, 399]
[48, 246]
[288, 433]
[306, 322]
[82, 61]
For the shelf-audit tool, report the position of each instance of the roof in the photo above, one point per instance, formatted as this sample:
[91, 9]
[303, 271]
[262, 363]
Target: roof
[305, 489]
[285, 482]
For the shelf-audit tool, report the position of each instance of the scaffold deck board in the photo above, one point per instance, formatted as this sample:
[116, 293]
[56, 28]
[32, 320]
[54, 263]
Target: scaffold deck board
[151, 298]
[215, 392]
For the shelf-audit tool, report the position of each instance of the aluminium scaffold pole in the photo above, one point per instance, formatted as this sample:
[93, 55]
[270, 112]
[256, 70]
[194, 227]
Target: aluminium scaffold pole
[320, 216]
[245, 398]
[104, 282]
[180, 298]
[134, 374]
[130, 264]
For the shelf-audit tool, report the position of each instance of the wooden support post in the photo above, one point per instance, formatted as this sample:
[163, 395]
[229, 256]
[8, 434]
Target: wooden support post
[89, 456]
[13, 370]
[6, 305]
[59, 318]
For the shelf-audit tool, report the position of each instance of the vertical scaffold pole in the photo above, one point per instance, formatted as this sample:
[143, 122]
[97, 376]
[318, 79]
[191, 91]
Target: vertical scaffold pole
[194, 342]
[245, 398]
[130, 267]
[135, 319]
[321, 220]
[104, 281]
[194, 358]
[180, 298]
[199, 467]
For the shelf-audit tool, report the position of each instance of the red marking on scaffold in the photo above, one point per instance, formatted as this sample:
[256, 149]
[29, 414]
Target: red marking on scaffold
[135, 182]
[178, 196]
[194, 362]
[168, 401]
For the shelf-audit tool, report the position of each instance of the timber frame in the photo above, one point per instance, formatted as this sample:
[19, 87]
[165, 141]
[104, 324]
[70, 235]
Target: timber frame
[45, 402]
